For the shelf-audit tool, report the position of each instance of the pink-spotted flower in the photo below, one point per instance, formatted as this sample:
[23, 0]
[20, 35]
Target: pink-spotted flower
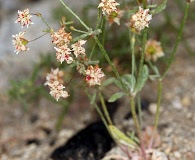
[57, 90]
[78, 48]
[24, 18]
[94, 75]
[19, 42]
[140, 19]
[54, 75]
[63, 53]
[54, 81]
[61, 37]
[108, 6]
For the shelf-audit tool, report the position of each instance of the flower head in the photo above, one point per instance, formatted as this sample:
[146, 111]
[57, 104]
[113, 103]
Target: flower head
[54, 81]
[24, 18]
[63, 53]
[108, 6]
[78, 48]
[57, 90]
[19, 42]
[60, 37]
[153, 50]
[140, 19]
[54, 75]
[94, 75]
[115, 17]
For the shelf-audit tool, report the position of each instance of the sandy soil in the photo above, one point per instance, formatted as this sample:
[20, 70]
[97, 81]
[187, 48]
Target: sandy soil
[29, 135]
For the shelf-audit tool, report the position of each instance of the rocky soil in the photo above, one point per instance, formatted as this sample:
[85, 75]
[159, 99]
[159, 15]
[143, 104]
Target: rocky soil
[31, 135]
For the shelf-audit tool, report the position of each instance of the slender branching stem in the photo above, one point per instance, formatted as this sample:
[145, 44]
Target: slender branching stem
[40, 15]
[105, 110]
[157, 115]
[179, 36]
[144, 39]
[135, 119]
[98, 24]
[97, 109]
[132, 43]
[137, 125]
[38, 37]
[77, 17]
[158, 104]
[103, 51]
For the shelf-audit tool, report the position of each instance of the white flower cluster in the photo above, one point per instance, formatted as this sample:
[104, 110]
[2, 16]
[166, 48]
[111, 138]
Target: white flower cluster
[54, 81]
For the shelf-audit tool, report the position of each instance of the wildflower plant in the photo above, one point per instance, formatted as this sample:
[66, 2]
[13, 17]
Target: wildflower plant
[71, 51]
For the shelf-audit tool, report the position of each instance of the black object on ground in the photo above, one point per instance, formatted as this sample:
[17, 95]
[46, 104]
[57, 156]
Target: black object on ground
[90, 143]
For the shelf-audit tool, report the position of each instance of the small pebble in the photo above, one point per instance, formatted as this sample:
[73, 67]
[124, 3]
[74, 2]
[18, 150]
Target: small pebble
[153, 108]
[177, 103]
[177, 154]
[189, 115]
[168, 150]
[186, 102]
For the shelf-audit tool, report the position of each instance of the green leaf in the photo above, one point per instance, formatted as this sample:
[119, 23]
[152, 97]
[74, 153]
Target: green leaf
[116, 96]
[93, 98]
[129, 81]
[93, 62]
[153, 77]
[118, 83]
[143, 76]
[121, 138]
[108, 81]
[160, 8]
[79, 37]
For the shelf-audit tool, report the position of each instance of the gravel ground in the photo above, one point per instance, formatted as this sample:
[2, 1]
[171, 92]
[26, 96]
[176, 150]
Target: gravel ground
[29, 135]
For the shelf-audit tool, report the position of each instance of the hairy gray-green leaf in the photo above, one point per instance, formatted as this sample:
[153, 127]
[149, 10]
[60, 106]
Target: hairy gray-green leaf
[153, 77]
[93, 62]
[120, 137]
[108, 81]
[118, 83]
[129, 81]
[79, 37]
[160, 8]
[143, 76]
[116, 96]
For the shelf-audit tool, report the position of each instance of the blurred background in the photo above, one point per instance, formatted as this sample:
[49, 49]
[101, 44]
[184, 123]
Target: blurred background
[30, 118]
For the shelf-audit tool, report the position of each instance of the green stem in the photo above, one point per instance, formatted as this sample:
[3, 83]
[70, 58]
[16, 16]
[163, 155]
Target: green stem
[137, 125]
[74, 14]
[135, 119]
[40, 15]
[179, 36]
[158, 104]
[103, 31]
[97, 109]
[132, 42]
[92, 51]
[105, 109]
[157, 115]
[38, 37]
[139, 110]
[108, 59]
[143, 50]
[99, 20]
